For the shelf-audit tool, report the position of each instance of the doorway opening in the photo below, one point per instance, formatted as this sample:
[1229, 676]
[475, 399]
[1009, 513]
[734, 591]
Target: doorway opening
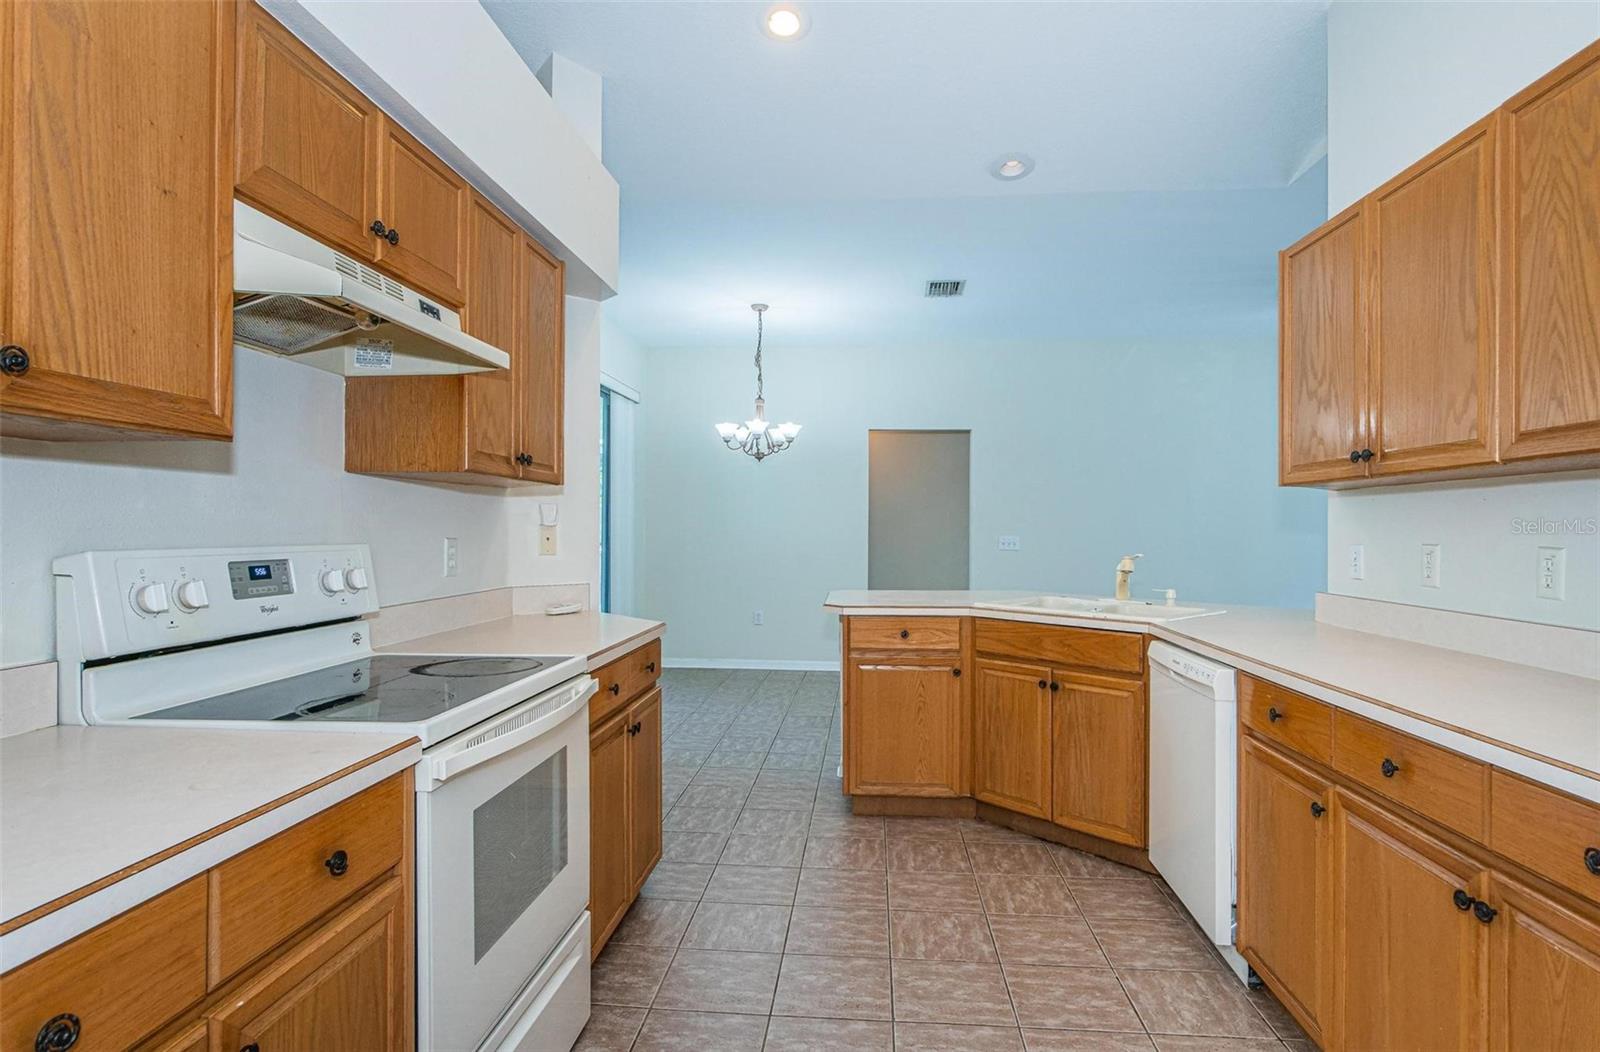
[919, 486]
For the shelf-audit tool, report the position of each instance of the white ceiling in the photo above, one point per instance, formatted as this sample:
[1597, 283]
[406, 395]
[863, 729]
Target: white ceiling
[852, 163]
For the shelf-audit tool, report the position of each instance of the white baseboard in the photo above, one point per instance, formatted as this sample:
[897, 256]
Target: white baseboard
[758, 663]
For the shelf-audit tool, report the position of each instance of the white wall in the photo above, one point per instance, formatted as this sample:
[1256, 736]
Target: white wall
[1402, 78]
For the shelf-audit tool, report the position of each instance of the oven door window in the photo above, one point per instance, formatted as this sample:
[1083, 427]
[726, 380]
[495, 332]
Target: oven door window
[519, 846]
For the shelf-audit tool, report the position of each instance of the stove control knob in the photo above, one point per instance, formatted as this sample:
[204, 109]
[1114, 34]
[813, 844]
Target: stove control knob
[191, 596]
[332, 581]
[356, 579]
[151, 598]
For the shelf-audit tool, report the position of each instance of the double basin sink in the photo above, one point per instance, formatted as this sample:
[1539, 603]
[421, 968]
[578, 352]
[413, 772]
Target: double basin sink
[1105, 609]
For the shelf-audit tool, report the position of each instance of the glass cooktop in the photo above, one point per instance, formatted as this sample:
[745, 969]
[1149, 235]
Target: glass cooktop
[383, 688]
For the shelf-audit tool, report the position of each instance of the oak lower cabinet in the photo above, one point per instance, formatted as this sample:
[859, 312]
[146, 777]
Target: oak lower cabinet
[624, 787]
[1100, 752]
[1544, 966]
[910, 711]
[1011, 736]
[116, 213]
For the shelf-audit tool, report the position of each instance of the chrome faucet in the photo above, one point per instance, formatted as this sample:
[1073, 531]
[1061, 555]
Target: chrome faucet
[1124, 573]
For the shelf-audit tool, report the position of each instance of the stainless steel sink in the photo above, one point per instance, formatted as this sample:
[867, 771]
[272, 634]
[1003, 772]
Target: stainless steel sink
[1106, 609]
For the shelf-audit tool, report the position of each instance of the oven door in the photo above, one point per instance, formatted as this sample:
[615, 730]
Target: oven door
[502, 860]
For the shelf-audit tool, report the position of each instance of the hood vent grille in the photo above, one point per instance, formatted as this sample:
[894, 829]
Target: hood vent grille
[369, 277]
[944, 289]
[289, 324]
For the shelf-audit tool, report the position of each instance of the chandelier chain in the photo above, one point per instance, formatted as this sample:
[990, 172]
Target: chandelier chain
[759, 379]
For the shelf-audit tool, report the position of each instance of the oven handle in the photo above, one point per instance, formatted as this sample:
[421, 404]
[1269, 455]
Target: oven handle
[440, 768]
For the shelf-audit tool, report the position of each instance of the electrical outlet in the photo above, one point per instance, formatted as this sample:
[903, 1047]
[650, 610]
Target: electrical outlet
[758, 617]
[547, 540]
[1431, 554]
[1010, 543]
[1357, 564]
[1552, 583]
[452, 557]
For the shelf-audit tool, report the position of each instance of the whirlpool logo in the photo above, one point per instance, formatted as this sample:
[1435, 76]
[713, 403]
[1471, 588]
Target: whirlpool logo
[268, 608]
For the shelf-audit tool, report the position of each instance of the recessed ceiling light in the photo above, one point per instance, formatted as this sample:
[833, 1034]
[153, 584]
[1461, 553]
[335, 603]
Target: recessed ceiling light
[785, 23]
[1012, 167]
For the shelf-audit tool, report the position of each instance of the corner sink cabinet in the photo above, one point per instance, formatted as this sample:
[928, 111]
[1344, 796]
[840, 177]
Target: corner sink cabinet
[1396, 894]
[1445, 325]
[1041, 725]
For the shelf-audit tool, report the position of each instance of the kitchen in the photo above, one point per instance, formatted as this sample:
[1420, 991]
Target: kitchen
[377, 465]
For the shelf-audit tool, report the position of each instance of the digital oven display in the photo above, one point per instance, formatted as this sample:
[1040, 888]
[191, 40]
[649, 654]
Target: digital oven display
[260, 571]
[260, 580]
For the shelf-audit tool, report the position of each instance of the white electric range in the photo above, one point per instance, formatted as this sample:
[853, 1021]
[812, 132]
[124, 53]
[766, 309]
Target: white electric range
[272, 638]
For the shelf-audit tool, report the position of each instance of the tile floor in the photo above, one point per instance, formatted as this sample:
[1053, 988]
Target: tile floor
[778, 920]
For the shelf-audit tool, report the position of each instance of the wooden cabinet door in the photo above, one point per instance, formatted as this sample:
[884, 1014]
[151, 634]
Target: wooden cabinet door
[1322, 353]
[1550, 264]
[644, 788]
[1099, 755]
[343, 986]
[494, 250]
[1544, 973]
[1410, 967]
[541, 361]
[1011, 736]
[610, 883]
[1431, 246]
[1283, 876]
[903, 728]
[116, 217]
[423, 203]
[307, 139]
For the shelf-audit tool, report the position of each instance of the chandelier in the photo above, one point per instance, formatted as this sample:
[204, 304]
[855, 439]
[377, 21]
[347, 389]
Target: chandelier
[756, 437]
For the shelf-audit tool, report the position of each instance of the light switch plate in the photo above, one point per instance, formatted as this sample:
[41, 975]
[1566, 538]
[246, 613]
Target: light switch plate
[1431, 554]
[1552, 579]
[1010, 543]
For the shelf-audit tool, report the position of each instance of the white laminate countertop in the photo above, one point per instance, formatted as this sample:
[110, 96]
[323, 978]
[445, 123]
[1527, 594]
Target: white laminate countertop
[1544, 725]
[595, 636]
[108, 806]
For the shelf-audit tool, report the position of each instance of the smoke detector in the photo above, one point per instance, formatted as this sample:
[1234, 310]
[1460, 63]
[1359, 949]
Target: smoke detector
[942, 289]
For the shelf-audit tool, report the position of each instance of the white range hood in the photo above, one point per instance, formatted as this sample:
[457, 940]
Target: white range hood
[296, 297]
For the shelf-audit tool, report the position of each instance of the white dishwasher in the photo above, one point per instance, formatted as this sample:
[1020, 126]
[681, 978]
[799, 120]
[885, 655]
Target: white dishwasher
[1194, 787]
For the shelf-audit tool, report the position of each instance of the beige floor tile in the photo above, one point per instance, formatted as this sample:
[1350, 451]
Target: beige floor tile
[924, 828]
[1026, 894]
[934, 891]
[748, 849]
[1177, 1043]
[1099, 899]
[654, 922]
[629, 975]
[1056, 941]
[769, 885]
[842, 888]
[768, 799]
[839, 932]
[1074, 863]
[869, 826]
[949, 1037]
[831, 803]
[976, 830]
[713, 796]
[683, 846]
[940, 936]
[793, 1034]
[786, 780]
[1211, 1003]
[833, 987]
[677, 880]
[1010, 858]
[700, 1032]
[610, 1029]
[1277, 1016]
[1085, 1041]
[738, 926]
[1157, 939]
[773, 823]
[951, 992]
[719, 981]
[928, 856]
[826, 852]
[700, 819]
[724, 776]
[1068, 998]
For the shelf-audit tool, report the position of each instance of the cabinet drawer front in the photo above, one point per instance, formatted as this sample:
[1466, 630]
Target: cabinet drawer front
[905, 633]
[1292, 720]
[1085, 647]
[624, 679]
[122, 980]
[1449, 788]
[264, 895]
[1547, 831]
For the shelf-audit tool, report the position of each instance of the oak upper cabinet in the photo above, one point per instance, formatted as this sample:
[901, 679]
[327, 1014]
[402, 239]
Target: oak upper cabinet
[494, 313]
[1099, 755]
[644, 787]
[1322, 359]
[1545, 973]
[307, 139]
[1409, 953]
[422, 205]
[541, 360]
[903, 727]
[1011, 736]
[1283, 859]
[610, 881]
[116, 293]
[1550, 264]
[1431, 346]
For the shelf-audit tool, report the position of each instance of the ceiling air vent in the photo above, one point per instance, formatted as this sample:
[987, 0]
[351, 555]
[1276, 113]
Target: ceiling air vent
[941, 289]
